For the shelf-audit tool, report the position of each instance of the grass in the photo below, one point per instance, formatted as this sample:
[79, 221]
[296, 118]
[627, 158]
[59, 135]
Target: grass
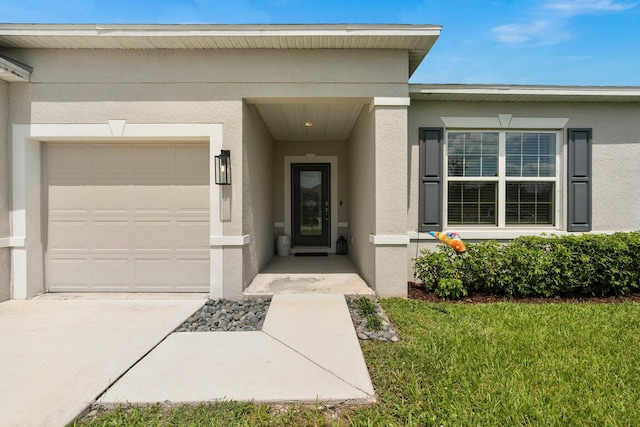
[369, 311]
[459, 365]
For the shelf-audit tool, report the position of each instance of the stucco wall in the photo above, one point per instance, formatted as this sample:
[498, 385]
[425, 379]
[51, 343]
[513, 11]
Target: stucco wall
[258, 190]
[204, 86]
[4, 190]
[616, 150]
[214, 74]
[391, 198]
[362, 207]
[616, 153]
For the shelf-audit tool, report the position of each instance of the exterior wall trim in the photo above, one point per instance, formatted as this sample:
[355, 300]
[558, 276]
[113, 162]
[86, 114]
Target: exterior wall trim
[229, 240]
[503, 234]
[12, 242]
[26, 260]
[389, 240]
[505, 121]
[380, 101]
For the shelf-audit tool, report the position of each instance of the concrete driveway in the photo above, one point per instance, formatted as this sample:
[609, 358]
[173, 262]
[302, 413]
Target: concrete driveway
[58, 355]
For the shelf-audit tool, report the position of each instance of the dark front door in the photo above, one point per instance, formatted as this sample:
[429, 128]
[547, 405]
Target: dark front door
[310, 204]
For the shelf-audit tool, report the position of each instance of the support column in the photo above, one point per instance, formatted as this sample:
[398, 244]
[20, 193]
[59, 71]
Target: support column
[390, 235]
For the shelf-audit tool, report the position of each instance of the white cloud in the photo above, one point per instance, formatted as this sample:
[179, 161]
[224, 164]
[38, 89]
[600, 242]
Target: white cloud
[542, 32]
[582, 7]
[551, 30]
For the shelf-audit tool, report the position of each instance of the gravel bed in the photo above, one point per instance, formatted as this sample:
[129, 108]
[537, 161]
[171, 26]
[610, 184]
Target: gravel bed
[249, 315]
[227, 315]
[386, 332]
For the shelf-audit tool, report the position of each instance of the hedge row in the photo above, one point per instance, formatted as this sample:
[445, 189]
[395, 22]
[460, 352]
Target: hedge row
[573, 265]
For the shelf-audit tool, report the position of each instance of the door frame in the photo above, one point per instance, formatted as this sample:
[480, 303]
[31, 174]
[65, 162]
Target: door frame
[297, 238]
[333, 196]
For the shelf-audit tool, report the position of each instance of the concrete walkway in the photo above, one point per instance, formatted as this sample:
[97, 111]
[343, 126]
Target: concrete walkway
[60, 353]
[57, 356]
[307, 351]
[300, 275]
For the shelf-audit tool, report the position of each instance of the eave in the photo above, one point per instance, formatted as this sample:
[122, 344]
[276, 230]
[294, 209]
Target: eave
[523, 93]
[14, 71]
[416, 39]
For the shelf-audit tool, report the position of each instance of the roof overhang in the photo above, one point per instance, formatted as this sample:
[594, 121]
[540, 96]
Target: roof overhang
[417, 39]
[14, 71]
[523, 93]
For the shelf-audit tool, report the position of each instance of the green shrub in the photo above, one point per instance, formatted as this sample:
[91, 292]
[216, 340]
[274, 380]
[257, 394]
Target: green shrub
[589, 264]
[451, 289]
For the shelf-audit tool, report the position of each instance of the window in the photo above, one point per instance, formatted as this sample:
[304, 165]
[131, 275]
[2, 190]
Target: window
[464, 182]
[502, 178]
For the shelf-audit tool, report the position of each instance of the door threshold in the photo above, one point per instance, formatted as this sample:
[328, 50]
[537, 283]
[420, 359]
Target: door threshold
[311, 254]
[311, 250]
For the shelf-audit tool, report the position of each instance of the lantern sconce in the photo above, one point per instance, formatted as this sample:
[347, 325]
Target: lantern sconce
[223, 168]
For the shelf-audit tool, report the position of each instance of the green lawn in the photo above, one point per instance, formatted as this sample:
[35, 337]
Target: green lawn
[490, 365]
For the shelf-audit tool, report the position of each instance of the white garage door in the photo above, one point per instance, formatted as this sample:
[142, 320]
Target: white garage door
[128, 217]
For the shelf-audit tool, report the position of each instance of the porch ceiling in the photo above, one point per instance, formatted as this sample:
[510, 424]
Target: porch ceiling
[329, 121]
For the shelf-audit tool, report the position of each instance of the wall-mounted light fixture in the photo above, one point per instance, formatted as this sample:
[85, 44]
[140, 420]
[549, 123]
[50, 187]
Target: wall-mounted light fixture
[223, 168]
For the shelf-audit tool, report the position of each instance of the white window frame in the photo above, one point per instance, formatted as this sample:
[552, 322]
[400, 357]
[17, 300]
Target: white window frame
[503, 179]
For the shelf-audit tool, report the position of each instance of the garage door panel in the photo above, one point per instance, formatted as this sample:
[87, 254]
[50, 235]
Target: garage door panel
[110, 235]
[109, 198]
[154, 235]
[69, 160]
[157, 274]
[192, 161]
[192, 199]
[111, 159]
[112, 273]
[68, 235]
[67, 198]
[152, 199]
[192, 273]
[135, 220]
[69, 274]
[153, 160]
[192, 234]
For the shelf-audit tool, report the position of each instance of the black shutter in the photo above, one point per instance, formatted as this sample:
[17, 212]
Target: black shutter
[430, 199]
[579, 180]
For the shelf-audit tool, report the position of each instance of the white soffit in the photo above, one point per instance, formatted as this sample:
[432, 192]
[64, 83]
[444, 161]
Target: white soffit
[12, 71]
[417, 39]
[523, 93]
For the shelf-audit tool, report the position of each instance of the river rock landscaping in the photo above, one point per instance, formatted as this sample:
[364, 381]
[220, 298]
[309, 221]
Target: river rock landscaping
[249, 314]
[228, 315]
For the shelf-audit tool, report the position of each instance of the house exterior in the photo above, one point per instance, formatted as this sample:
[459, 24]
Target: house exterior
[111, 139]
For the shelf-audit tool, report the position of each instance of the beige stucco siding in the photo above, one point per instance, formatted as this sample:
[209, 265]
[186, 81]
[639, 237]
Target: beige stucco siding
[219, 74]
[616, 153]
[4, 190]
[362, 189]
[258, 191]
[207, 86]
[391, 198]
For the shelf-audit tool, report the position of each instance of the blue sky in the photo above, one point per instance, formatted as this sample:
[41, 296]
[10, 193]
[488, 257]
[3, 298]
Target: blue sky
[555, 42]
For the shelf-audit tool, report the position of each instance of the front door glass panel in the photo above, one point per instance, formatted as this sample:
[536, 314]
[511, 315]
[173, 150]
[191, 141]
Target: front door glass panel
[310, 204]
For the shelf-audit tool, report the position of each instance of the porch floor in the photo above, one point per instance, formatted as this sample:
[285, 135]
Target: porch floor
[332, 274]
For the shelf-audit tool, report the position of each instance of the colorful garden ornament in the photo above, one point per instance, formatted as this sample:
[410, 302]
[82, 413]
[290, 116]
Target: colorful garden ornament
[450, 238]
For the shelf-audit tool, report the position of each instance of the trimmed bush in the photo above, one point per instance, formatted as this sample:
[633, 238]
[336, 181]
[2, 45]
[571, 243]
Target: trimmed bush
[451, 289]
[573, 265]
